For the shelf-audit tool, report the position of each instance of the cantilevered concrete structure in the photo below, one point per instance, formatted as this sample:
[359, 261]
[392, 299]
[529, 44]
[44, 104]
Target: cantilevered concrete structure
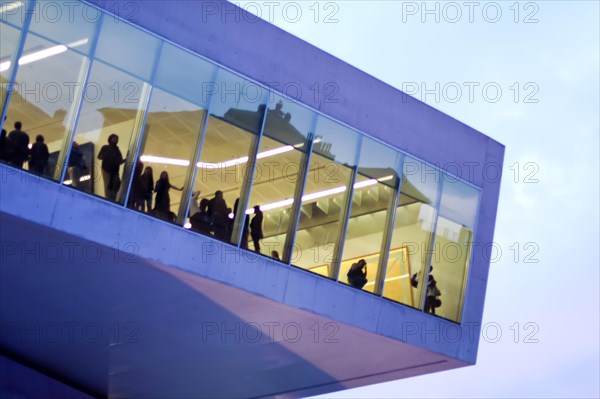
[99, 297]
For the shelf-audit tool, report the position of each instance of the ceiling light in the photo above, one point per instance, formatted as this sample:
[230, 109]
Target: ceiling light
[11, 6]
[40, 55]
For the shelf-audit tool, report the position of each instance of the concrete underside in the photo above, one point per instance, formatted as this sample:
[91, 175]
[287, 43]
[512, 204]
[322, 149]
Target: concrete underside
[109, 323]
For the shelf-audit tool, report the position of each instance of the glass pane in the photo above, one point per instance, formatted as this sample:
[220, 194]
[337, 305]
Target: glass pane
[325, 197]
[172, 129]
[289, 122]
[452, 251]
[459, 201]
[127, 47]
[335, 142]
[185, 75]
[43, 101]
[14, 12]
[373, 198]
[9, 42]
[65, 23]
[278, 167]
[412, 231]
[235, 118]
[112, 109]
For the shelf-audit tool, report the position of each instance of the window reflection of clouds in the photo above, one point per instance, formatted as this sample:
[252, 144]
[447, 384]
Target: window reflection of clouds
[459, 202]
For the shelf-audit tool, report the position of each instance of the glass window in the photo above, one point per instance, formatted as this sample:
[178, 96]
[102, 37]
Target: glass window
[412, 233]
[115, 98]
[9, 41]
[112, 110]
[12, 18]
[48, 81]
[14, 12]
[372, 201]
[325, 199]
[65, 24]
[126, 47]
[276, 178]
[187, 75]
[235, 119]
[452, 250]
[173, 127]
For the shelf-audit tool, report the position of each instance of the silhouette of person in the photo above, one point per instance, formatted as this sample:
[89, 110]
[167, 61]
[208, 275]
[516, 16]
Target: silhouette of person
[245, 228]
[199, 214]
[205, 224]
[3, 145]
[76, 165]
[18, 146]
[162, 206]
[275, 255]
[112, 159]
[136, 197]
[217, 210]
[256, 228]
[147, 182]
[39, 156]
[277, 112]
[431, 300]
[357, 275]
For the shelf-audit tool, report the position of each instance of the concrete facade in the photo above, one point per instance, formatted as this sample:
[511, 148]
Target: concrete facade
[194, 281]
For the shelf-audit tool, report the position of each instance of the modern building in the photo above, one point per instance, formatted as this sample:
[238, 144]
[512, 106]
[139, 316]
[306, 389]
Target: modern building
[115, 283]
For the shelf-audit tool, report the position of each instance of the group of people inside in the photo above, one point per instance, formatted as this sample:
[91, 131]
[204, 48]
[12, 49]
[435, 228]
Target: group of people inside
[214, 216]
[16, 150]
[211, 217]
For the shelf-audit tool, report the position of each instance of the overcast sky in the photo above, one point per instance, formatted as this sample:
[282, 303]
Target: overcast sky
[539, 63]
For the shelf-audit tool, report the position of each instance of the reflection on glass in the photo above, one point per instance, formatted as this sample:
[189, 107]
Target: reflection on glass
[236, 113]
[57, 22]
[14, 12]
[135, 54]
[276, 177]
[325, 197]
[110, 113]
[374, 195]
[9, 41]
[45, 90]
[173, 129]
[412, 231]
[453, 240]
[170, 134]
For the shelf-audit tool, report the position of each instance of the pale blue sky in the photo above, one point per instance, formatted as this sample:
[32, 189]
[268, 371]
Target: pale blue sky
[558, 56]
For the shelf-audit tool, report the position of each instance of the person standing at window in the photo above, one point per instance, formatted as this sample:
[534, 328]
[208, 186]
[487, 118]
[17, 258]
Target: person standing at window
[148, 187]
[18, 143]
[39, 156]
[217, 211]
[256, 228]
[112, 159]
[162, 207]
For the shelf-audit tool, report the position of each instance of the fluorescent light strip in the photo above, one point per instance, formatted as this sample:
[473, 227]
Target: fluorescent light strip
[324, 193]
[165, 161]
[365, 183]
[275, 151]
[40, 55]
[272, 205]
